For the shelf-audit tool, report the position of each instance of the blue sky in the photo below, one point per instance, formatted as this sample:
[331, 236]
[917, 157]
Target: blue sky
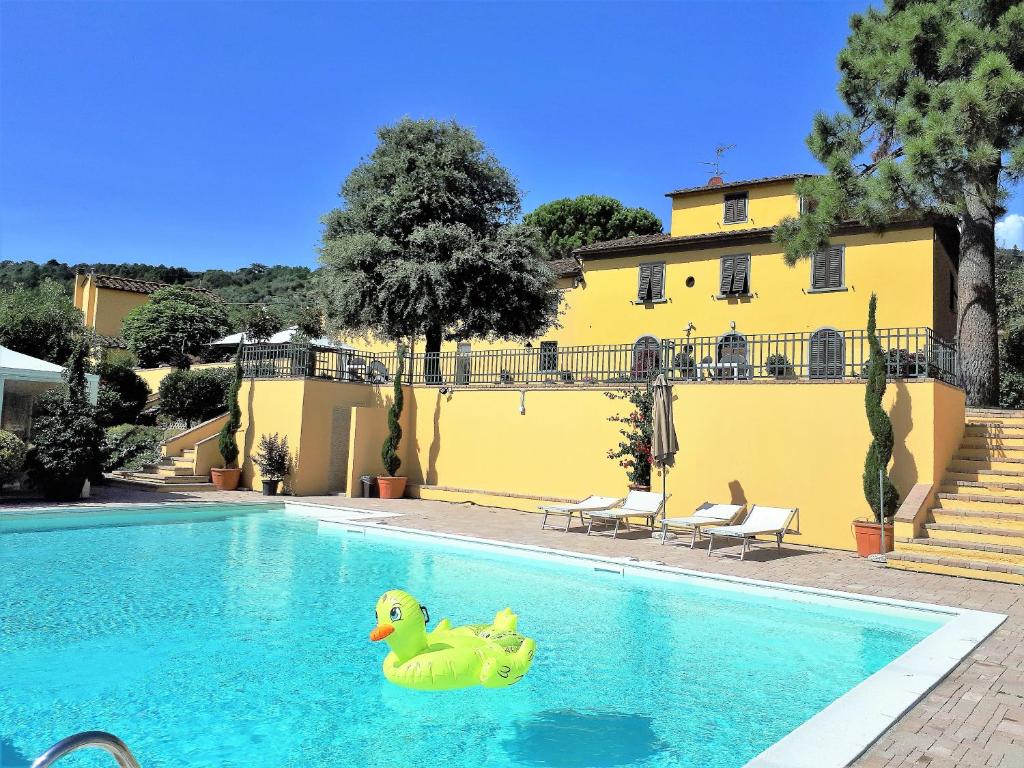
[216, 134]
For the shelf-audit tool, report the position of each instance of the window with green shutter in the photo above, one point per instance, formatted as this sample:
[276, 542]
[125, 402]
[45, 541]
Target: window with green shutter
[828, 268]
[735, 208]
[826, 354]
[735, 279]
[651, 285]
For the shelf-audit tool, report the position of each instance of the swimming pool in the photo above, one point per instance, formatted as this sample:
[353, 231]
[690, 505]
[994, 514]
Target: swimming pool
[236, 636]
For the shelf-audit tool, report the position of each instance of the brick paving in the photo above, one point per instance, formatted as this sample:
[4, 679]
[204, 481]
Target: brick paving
[974, 718]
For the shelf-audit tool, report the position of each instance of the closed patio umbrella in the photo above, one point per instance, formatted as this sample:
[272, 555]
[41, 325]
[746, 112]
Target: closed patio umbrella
[664, 444]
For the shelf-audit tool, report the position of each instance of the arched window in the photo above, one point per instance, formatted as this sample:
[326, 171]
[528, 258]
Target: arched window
[646, 357]
[732, 356]
[826, 356]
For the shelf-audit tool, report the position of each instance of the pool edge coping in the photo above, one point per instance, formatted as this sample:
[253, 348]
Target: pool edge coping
[853, 722]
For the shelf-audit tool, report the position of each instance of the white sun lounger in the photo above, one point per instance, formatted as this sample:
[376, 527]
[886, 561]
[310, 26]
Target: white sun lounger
[762, 521]
[637, 504]
[589, 504]
[704, 516]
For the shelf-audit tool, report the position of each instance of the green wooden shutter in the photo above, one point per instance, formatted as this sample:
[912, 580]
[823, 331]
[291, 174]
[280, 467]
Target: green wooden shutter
[644, 288]
[728, 268]
[741, 274]
[657, 282]
[819, 271]
[835, 266]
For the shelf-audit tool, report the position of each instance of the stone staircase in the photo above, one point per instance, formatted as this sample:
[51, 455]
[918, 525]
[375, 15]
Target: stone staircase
[977, 528]
[185, 464]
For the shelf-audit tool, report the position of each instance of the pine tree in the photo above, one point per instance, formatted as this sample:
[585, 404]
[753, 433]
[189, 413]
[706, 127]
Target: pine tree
[935, 126]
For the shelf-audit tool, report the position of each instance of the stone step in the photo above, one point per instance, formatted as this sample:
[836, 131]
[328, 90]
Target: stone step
[148, 485]
[982, 517]
[984, 476]
[1009, 554]
[168, 469]
[955, 566]
[979, 534]
[171, 479]
[994, 429]
[976, 453]
[980, 500]
[1013, 445]
[183, 461]
[963, 463]
[977, 411]
[994, 487]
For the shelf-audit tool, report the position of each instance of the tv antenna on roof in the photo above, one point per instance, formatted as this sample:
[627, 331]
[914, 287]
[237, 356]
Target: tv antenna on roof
[716, 164]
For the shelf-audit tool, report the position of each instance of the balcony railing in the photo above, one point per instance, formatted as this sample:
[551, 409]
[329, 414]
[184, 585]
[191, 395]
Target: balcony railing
[823, 355]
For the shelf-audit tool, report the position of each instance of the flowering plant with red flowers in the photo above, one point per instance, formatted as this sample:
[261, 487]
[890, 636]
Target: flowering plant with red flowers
[634, 450]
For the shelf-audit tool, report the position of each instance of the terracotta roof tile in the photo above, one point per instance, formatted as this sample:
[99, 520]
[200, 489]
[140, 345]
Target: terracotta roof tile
[741, 183]
[565, 267]
[132, 285]
[644, 241]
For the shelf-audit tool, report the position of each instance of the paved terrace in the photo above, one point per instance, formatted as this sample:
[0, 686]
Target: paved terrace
[973, 718]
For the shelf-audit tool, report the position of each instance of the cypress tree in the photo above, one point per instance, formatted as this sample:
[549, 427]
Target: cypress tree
[226, 442]
[880, 450]
[389, 451]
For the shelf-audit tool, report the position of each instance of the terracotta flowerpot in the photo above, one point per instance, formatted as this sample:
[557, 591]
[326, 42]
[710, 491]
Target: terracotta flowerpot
[635, 487]
[869, 537]
[225, 478]
[391, 487]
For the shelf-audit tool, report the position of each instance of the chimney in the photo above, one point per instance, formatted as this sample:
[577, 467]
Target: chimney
[715, 181]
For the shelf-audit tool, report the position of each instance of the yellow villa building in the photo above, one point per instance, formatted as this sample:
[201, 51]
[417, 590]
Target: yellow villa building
[767, 362]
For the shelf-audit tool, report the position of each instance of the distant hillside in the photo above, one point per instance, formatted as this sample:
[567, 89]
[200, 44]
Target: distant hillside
[287, 289]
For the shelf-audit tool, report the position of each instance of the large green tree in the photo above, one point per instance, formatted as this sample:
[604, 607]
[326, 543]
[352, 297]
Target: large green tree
[934, 125]
[41, 321]
[425, 243]
[570, 222]
[1010, 300]
[173, 325]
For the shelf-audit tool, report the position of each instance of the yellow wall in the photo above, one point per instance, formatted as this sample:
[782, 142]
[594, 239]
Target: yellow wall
[896, 265]
[153, 376]
[104, 309]
[701, 213]
[779, 444]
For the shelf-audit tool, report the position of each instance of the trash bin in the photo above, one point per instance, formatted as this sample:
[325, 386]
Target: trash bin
[370, 490]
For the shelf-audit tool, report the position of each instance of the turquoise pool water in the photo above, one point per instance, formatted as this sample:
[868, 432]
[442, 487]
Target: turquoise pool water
[238, 639]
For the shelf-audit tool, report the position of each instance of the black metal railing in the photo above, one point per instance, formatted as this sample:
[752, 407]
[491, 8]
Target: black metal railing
[826, 354]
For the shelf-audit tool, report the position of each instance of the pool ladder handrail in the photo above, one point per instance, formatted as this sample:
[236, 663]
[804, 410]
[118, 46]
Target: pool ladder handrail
[100, 739]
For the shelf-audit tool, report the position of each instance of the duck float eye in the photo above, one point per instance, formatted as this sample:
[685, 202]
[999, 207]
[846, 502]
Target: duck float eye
[492, 655]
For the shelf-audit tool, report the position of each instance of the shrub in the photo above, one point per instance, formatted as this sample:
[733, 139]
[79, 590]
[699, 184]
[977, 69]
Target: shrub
[67, 441]
[42, 321]
[174, 324]
[12, 456]
[389, 451]
[122, 394]
[226, 442]
[128, 446]
[880, 450]
[778, 365]
[195, 395]
[272, 457]
[634, 451]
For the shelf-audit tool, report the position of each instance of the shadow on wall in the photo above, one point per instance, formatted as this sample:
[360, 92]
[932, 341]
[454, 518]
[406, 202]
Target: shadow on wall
[430, 476]
[904, 469]
[736, 493]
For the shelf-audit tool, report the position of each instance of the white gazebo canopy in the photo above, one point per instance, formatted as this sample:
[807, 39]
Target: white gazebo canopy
[22, 378]
[281, 337]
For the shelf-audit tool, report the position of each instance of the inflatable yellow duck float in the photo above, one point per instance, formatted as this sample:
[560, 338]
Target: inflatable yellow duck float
[492, 655]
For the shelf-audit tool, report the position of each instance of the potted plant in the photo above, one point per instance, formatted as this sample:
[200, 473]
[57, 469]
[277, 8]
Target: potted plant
[273, 460]
[634, 451]
[226, 478]
[778, 365]
[391, 485]
[876, 478]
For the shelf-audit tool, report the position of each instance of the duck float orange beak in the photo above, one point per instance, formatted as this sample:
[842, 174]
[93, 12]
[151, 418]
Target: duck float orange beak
[379, 633]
